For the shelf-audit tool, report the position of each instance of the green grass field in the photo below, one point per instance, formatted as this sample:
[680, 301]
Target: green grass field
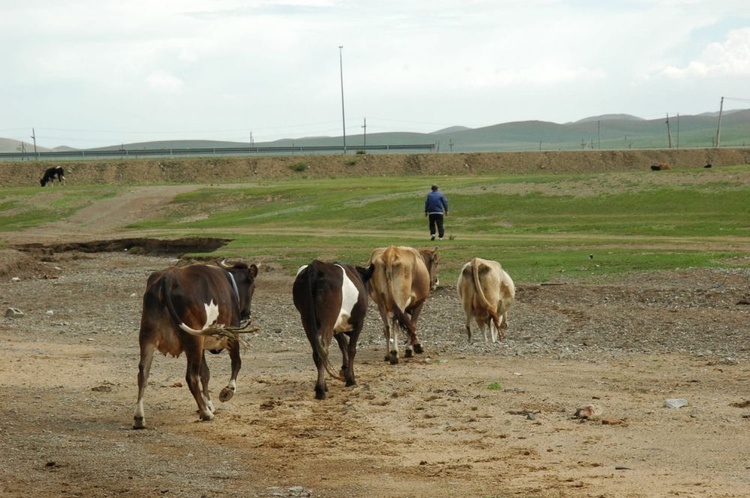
[540, 227]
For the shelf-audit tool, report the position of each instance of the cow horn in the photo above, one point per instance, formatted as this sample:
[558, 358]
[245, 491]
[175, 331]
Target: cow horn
[223, 264]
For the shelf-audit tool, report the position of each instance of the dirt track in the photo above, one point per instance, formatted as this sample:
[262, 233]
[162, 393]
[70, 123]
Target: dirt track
[460, 420]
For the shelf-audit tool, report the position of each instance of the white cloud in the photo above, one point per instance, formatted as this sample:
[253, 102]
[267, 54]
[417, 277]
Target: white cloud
[163, 82]
[730, 58]
[272, 66]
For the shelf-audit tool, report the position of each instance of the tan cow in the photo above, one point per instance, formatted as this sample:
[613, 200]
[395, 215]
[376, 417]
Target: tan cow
[487, 293]
[401, 281]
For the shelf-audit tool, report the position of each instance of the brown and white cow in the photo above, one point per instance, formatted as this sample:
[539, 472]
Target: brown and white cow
[401, 282]
[332, 301]
[185, 310]
[487, 293]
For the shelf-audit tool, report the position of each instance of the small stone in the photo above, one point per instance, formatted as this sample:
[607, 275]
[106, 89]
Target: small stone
[588, 412]
[13, 313]
[676, 403]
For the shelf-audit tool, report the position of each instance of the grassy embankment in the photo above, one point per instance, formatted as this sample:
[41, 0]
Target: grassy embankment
[541, 227]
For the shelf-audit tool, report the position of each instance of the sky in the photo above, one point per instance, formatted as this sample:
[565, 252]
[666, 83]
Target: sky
[94, 73]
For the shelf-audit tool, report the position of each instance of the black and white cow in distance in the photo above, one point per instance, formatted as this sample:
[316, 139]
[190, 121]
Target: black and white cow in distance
[51, 174]
[191, 309]
[332, 301]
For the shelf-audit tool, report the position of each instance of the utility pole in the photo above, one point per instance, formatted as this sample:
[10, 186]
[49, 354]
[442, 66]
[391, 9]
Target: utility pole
[365, 135]
[599, 134]
[33, 136]
[718, 131]
[669, 133]
[341, 73]
[252, 140]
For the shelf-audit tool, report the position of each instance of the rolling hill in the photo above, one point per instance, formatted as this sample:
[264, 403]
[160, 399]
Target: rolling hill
[608, 132]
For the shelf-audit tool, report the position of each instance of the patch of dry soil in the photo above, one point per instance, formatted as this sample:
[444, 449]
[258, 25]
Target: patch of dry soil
[460, 420]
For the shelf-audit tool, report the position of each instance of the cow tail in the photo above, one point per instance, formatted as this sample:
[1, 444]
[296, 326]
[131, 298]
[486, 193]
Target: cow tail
[166, 294]
[317, 343]
[166, 283]
[480, 292]
[398, 313]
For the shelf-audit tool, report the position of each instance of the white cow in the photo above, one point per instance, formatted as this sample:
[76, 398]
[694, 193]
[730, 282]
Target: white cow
[487, 293]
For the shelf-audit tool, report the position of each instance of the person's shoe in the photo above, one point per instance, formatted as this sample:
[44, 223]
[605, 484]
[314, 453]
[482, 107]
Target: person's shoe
[432, 237]
[440, 238]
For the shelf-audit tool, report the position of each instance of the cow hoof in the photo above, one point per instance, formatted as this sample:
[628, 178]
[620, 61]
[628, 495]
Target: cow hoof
[408, 353]
[320, 394]
[226, 394]
[139, 423]
[393, 358]
[418, 349]
[207, 417]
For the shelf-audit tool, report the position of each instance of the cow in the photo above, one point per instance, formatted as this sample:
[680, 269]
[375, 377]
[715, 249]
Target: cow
[332, 301]
[52, 173]
[401, 282]
[660, 167]
[192, 309]
[487, 292]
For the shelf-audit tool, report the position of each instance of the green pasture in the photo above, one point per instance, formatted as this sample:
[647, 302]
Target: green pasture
[540, 227]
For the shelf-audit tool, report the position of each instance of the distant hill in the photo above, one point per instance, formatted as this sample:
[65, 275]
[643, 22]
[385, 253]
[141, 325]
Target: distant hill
[10, 145]
[608, 131]
[610, 117]
[451, 129]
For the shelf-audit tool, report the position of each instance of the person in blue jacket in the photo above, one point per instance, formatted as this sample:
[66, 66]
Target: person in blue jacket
[436, 207]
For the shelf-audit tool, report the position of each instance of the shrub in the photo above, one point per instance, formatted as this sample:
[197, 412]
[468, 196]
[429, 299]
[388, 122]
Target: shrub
[298, 167]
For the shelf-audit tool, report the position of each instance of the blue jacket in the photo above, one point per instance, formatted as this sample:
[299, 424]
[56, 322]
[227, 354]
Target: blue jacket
[436, 203]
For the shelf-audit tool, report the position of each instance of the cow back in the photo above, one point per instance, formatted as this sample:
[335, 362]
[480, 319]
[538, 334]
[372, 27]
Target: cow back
[483, 284]
[399, 278]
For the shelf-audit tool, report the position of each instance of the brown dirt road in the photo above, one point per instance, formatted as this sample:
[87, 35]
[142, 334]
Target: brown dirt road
[461, 420]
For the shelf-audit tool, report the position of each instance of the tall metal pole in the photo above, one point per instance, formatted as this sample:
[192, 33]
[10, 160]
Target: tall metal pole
[343, 114]
[718, 131]
[33, 136]
[669, 132]
[365, 135]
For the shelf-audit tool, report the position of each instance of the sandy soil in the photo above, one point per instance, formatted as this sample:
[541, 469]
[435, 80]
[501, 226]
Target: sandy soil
[460, 420]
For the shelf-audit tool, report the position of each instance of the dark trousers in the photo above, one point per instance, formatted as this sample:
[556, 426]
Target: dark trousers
[436, 220]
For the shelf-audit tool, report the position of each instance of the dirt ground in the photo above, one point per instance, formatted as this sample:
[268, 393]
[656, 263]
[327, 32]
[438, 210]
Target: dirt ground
[462, 419]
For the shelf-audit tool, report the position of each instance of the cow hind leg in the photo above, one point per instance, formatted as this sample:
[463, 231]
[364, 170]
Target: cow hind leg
[144, 369]
[391, 340]
[414, 318]
[320, 384]
[193, 379]
[205, 378]
[346, 374]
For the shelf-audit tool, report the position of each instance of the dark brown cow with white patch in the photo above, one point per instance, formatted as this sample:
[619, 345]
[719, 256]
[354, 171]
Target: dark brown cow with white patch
[401, 283]
[332, 301]
[487, 292]
[189, 310]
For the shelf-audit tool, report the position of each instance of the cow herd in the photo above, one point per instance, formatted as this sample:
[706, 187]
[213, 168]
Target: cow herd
[206, 307]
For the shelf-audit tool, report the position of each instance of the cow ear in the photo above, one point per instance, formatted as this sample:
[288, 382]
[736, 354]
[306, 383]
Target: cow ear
[366, 273]
[253, 270]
